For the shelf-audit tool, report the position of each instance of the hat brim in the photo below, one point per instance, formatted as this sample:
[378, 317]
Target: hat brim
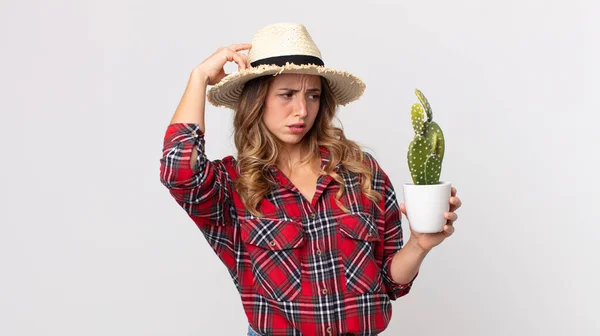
[345, 86]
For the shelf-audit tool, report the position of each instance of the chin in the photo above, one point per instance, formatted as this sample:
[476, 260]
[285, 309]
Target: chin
[291, 139]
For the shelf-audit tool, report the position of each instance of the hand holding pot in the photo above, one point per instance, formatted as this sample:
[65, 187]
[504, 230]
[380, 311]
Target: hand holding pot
[427, 241]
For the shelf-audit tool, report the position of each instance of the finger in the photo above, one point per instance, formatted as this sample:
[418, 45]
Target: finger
[448, 230]
[403, 210]
[237, 58]
[453, 191]
[240, 46]
[451, 216]
[232, 56]
[245, 57]
[455, 203]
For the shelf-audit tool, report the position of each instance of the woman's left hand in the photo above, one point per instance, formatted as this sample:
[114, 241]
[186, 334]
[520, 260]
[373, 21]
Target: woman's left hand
[427, 241]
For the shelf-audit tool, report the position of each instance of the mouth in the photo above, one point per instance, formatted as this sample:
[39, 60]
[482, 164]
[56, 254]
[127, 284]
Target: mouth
[296, 128]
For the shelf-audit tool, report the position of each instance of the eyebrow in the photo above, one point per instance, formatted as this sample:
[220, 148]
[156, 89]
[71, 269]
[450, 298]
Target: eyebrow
[296, 90]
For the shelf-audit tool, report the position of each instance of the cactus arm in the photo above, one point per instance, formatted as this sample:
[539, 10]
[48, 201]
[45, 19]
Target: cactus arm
[426, 150]
[433, 168]
[434, 134]
[418, 151]
[418, 119]
[425, 103]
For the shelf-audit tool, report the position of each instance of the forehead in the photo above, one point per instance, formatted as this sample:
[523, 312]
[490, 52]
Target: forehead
[297, 80]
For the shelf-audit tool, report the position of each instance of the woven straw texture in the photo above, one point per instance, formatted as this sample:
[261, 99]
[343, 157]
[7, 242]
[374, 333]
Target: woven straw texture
[278, 40]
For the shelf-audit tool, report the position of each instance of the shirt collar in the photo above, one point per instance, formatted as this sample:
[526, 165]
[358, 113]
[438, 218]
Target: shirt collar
[325, 158]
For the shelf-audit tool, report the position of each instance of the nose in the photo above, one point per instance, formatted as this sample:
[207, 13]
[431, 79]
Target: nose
[300, 108]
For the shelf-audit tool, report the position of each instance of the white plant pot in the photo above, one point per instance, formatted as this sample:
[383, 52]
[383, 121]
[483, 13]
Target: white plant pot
[426, 205]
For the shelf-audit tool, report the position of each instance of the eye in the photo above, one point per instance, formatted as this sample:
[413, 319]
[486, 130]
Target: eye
[286, 95]
[316, 96]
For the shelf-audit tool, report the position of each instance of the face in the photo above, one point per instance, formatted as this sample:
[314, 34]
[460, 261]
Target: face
[291, 106]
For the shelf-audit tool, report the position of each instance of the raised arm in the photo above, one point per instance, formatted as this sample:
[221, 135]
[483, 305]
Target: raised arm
[209, 72]
[199, 185]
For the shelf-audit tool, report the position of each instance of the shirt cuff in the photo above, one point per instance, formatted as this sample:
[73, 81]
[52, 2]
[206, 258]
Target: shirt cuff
[179, 140]
[393, 288]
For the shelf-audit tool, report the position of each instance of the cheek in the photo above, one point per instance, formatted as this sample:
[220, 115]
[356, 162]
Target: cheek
[274, 116]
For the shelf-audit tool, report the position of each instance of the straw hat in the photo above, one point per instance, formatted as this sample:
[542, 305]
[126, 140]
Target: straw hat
[285, 48]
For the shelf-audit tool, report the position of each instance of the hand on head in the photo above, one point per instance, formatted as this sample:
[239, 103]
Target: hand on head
[213, 66]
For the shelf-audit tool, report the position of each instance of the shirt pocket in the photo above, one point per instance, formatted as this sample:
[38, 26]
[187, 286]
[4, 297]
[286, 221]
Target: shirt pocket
[275, 248]
[358, 236]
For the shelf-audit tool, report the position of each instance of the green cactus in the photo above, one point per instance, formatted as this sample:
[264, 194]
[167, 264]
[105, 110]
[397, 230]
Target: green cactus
[426, 151]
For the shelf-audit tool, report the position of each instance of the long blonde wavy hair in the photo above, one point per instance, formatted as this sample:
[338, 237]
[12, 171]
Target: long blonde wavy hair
[257, 147]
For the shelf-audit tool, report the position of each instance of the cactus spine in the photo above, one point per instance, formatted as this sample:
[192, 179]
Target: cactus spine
[426, 150]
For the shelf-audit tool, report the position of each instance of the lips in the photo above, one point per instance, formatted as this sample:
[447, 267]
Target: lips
[296, 128]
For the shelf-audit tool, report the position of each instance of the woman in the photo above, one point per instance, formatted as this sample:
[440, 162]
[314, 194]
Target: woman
[306, 222]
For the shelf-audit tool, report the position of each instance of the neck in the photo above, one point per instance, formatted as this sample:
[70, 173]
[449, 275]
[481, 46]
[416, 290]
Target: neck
[289, 156]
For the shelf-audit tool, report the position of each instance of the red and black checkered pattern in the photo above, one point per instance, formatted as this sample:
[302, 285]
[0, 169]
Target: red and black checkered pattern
[307, 267]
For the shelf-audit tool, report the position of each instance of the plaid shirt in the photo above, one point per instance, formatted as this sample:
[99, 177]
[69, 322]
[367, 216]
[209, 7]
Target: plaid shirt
[307, 267]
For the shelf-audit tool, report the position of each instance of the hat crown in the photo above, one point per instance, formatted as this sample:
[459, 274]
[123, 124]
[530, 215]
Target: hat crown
[284, 48]
[282, 39]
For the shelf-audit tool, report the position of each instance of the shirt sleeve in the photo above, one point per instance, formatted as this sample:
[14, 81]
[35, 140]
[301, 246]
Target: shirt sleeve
[202, 188]
[393, 240]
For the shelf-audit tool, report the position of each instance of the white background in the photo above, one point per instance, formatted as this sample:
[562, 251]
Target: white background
[92, 244]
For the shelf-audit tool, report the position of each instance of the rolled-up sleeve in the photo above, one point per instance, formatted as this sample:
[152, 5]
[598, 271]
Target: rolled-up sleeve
[393, 241]
[202, 188]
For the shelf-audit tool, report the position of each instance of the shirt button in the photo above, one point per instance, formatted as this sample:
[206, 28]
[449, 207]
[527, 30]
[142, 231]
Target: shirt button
[329, 330]
[318, 252]
[272, 243]
[324, 291]
[313, 215]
